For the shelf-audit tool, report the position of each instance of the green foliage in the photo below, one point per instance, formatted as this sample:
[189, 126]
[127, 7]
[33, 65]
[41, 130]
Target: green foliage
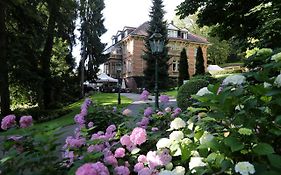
[242, 119]
[183, 68]
[255, 24]
[158, 24]
[34, 153]
[186, 90]
[219, 51]
[199, 67]
[205, 77]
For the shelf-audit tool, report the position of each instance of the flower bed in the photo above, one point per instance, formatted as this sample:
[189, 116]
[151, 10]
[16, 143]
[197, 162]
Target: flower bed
[233, 128]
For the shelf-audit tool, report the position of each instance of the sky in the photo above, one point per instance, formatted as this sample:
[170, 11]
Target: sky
[132, 13]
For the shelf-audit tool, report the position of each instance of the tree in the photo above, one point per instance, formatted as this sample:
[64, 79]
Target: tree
[219, 51]
[156, 23]
[249, 24]
[32, 28]
[92, 29]
[4, 83]
[199, 68]
[183, 68]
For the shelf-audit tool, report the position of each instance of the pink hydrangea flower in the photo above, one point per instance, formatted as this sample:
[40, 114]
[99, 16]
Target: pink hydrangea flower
[164, 98]
[165, 157]
[144, 95]
[75, 142]
[121, 170]
[148, 112]
[145, 171]
[119, 152]
[90, 124]
[110, 129]
[127, 112]
[125, 140]
[25, 121]
[79, 119]
[142, 159]
[138, 136]
[138, 167]
[111, 160]
[8, 122]
[143, 123]
[92, 169]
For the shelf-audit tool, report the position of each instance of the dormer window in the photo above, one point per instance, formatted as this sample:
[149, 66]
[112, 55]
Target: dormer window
[173, 33]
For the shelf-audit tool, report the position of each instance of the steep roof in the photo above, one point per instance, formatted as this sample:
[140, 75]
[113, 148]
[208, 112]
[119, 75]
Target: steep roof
[141, 31]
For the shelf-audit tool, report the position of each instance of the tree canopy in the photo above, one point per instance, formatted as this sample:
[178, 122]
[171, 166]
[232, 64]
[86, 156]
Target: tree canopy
[248, 23]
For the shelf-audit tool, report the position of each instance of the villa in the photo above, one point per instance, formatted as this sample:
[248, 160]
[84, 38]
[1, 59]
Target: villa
[127, 48]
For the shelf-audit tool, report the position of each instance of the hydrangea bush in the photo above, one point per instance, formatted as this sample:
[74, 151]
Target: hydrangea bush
[232, 128]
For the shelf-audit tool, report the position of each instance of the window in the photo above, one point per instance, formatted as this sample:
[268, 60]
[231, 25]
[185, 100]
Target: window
[172, 33]
[175, 65]
[195, 52]
[129, 66]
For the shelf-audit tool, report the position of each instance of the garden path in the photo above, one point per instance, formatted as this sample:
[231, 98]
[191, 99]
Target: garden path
[137, 107]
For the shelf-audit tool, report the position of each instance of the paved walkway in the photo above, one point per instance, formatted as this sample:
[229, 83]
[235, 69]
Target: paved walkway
[137, 107]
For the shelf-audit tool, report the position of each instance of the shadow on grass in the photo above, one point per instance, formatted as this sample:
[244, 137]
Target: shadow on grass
[65, 120]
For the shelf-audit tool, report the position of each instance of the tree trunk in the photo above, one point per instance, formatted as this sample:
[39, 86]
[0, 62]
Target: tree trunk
[4, 82]
[46, 59]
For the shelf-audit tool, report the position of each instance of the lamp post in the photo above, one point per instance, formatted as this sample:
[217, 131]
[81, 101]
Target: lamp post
[119, 69]
[156, 43]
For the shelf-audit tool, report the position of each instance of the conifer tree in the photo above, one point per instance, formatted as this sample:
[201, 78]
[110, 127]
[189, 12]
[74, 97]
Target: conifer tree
[200, 68]
[92, 28]
[183, 68]
[158, 24]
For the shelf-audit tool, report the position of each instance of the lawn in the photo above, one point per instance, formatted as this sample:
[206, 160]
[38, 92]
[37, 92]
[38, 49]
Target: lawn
[172, 93]
[98, 98]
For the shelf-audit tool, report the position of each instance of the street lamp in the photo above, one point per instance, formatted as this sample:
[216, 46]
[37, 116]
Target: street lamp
[156, 43]
[119, 69]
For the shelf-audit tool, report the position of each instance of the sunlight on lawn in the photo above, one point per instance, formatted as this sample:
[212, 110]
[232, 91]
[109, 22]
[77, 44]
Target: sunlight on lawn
[97, 98]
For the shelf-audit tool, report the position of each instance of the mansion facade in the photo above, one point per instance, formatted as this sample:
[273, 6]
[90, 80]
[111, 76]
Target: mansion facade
[127, 47]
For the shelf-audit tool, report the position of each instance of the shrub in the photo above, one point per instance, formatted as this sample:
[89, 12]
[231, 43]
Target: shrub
[188, 89]
[206, 77]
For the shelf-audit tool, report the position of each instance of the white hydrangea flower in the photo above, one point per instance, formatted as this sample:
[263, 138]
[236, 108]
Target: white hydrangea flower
[266, 85]
[177, 123]
[163, 143]
[176, 135]
[206, 137]
[179, 170]
[234, 80]
[277, 81]
[166, 172]
[203, 91]
[276, 57]
[244, 168]
[196, 162]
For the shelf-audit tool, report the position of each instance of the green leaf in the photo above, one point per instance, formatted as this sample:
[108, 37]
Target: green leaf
[185, 152]
[245, 131]
[275, 160]
[278, 119]
[233, 143]
[263, 149]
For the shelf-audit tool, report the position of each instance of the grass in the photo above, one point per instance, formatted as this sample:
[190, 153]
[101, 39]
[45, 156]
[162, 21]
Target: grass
[172, 93]
[98, 98]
